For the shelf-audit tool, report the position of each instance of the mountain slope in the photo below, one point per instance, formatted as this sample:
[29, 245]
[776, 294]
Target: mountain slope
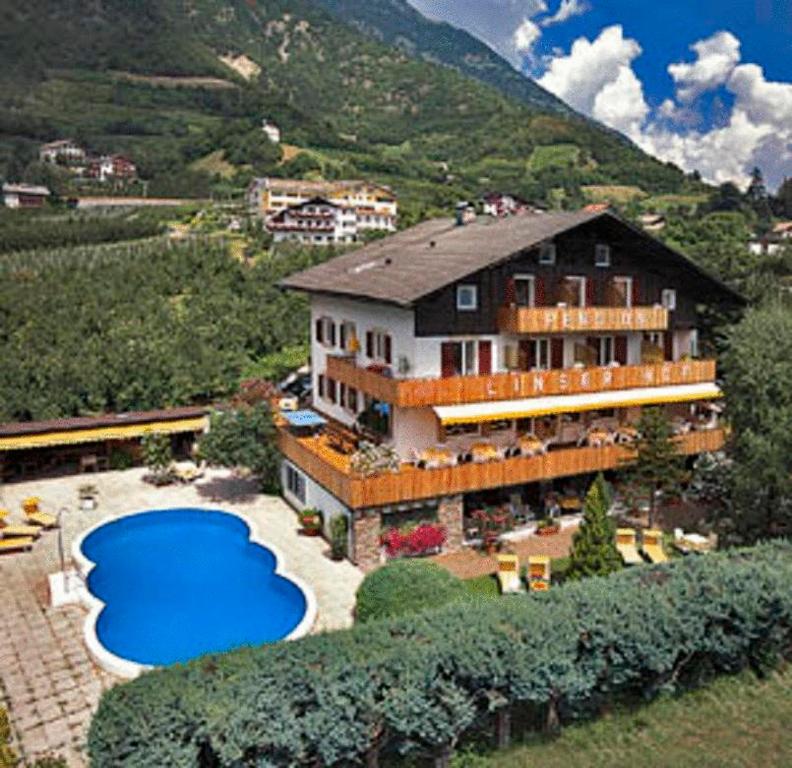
[397, 23]
[354, 106]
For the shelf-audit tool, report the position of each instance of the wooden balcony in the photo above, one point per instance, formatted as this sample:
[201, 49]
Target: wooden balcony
[331, 470]
[581, 319]
[456, 390]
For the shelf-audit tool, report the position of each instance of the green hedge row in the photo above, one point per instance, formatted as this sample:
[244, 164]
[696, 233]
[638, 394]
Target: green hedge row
[418, 683]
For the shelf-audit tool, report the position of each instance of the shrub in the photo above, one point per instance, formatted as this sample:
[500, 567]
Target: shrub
[416, 684]
[339, 532]
[157, 455]
[420, 540]
[8, 758]
[405, 586]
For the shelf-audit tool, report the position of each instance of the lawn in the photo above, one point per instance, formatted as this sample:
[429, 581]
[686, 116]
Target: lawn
[613, 193]
[737, 722]
[554, 156]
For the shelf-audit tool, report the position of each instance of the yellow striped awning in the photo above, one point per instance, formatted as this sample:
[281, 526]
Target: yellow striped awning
[100, 434]
[591, 401]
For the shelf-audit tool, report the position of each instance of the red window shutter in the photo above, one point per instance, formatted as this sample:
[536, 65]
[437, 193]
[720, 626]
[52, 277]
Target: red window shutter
[590, 292]
[319, 334]
[485, 358]
[448, 359]
[511, 293]
[388, 350]
[668, 344]
[539, 292]
[527, 355]
[369, 344]
[620, 350]
[557, 353]
[637, 298]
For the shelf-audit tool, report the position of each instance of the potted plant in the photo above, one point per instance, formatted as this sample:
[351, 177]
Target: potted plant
[87, 494]
[311, 521]
[547, 527]
[338, 537]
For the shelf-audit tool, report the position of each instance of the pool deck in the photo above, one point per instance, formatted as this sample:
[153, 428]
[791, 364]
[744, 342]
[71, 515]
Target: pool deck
[48, 681]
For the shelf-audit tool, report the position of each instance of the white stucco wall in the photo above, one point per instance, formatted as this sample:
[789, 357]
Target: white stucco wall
[315, 497]
[413, 428]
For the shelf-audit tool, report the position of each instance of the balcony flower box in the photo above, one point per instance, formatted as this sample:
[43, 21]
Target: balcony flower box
[424, 539]
[547, 528]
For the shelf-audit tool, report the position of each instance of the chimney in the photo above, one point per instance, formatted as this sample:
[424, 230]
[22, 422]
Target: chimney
[465, 213]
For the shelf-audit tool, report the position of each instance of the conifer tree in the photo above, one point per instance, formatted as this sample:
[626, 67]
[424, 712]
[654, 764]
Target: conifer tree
[594, 550]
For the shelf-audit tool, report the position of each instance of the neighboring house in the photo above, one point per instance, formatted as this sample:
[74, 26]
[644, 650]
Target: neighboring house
[375, 205]
[111, 167]
[271, 131]
[62, 151]
[771, 243]
[652, 222]
[24, 196]
[500, 360]
[499, 205]
[314, 222]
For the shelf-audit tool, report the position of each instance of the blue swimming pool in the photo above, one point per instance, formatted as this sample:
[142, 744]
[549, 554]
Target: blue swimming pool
[179, 583]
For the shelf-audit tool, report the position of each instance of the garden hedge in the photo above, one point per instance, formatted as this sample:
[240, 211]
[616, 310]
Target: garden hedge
[418, 683]
[406, 586]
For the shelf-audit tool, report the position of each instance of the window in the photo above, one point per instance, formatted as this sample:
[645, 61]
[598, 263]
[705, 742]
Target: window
[379, 346]
[295, 483]
[573, 291]
[342, 394]
[622, 292]
[347, 336]
[668, 298]
[458, 430]
[326, 331]
[321, 385]
[458, 358]
[467, 298]
[602, 255]
[330, 390]
[606, 354]
[524, 291]
[541, 354]
[502, 425]
[694, 343]
[352, 400]
[547, 253]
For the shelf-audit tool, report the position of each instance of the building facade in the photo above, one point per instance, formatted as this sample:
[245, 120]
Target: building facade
[314, 222]
[375, 206]
[24, 195]
[62, 151]
[501, 360]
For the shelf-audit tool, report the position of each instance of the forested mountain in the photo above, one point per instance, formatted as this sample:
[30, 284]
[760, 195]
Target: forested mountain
[397, 23]
[145, 79]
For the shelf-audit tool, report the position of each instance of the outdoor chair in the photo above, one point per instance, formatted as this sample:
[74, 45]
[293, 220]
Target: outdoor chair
[34, 514]
[652, 546]
[509, 574]
[626, 545]
[16, 544]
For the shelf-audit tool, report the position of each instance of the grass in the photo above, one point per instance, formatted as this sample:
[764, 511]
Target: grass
[214, 163]
[553, 156]
[614, 193]
[662, 203]
[736, 722]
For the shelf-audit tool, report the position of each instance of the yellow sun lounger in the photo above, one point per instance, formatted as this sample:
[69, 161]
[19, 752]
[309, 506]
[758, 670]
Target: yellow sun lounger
[13, 531]
[16, 544]
[652, 546]
[34, 514]
[509, 574]
[626, 545]
[539, 573]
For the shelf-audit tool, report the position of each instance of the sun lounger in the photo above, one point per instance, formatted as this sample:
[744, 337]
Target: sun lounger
[35, 516]
[16, 544]
[509, 574]
[625, 543]
[14, 531]
[539, 573]
[652, 546]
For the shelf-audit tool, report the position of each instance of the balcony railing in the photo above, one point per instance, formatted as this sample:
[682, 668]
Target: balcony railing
[455, 390]
[580, 319]
[331, 470]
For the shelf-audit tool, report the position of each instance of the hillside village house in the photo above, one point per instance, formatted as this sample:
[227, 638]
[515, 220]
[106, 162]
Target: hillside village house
[271, 131]
[500, 359]
[111, 167]
[314, 222]
[62, 151]
[375, 206]
[24, 195]
[771, 243]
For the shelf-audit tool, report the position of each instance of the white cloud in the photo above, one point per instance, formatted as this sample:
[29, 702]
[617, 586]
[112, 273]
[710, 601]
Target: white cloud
[597, 78]
[716, 58]
[566, 10]
[525, 36]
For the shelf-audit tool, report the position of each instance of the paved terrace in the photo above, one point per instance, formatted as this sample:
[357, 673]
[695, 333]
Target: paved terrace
[47, 679]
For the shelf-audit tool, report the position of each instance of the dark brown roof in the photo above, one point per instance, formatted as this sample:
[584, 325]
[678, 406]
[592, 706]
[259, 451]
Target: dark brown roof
[404, 267]
[104, 420]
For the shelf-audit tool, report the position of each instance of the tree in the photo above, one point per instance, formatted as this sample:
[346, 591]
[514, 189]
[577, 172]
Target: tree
[656, 464]
[157, 455]
[757, 368]
[782, 203]
[244, 437]
[756, 194]
[594, 550]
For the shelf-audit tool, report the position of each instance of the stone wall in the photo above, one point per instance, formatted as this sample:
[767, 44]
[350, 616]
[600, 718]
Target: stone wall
[449, 514]
[366, 528]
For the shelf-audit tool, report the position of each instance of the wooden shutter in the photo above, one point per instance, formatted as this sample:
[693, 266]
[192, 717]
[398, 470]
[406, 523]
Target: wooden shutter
[510, 294]
[388, 350]
[620, 350]
[668, 345]
[485, 358]
[448, 359]
[637, 298]
[539, 291]
[319, 329]
[591, 292]
[556, 353]
[369, 344]
[527, 355]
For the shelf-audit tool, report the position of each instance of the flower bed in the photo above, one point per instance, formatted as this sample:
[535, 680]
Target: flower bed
[424, 539]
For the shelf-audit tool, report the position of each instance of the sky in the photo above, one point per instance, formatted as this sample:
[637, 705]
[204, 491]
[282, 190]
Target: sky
[705, 84]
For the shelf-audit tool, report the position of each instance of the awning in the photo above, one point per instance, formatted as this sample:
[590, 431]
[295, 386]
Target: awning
[101, 434]
[592, 401]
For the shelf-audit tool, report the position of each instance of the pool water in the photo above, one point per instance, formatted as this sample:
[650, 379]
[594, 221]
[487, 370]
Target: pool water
[180, 583]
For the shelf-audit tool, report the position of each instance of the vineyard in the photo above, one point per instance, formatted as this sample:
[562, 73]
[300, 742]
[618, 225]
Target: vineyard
[138, 325]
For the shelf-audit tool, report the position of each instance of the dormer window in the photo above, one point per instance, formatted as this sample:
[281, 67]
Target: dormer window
[668, 298]
[467, 298]
[602, 255]
[547, 253]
